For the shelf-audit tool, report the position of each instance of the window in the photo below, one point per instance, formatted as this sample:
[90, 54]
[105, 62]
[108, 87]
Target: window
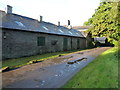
[60, 30]
[45, 27]
[41, 41]
[70, 32]
[19, 23]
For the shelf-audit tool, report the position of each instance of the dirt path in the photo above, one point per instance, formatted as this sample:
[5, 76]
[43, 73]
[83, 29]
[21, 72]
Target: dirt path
[52, 73]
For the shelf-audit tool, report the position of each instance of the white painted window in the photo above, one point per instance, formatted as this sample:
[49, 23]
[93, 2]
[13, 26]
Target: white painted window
[45, 28]
[20, 24]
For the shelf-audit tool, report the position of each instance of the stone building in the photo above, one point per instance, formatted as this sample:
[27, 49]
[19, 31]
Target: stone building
[24, 36]
[88, 36]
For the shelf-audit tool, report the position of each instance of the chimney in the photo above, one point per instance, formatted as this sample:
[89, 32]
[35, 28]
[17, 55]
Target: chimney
[9, 9]
[58, 23]
[68, 22]
[41, 17]
[69, 26]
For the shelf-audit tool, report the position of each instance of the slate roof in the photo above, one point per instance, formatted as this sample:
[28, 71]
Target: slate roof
[18, 22]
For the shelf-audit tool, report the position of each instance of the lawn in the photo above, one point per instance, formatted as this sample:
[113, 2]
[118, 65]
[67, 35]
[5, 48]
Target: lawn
[18, 62]
[101, 73]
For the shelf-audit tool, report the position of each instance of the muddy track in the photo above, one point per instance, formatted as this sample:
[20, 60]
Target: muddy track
[52, 73]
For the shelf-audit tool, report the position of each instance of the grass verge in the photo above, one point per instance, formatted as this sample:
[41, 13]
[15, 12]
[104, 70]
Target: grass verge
[101, 73]
[18, 62]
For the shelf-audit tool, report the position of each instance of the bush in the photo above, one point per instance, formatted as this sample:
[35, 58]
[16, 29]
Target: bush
[116, 43]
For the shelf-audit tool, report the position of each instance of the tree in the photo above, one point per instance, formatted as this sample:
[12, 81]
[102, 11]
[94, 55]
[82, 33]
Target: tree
[106, 21]
[88, 23]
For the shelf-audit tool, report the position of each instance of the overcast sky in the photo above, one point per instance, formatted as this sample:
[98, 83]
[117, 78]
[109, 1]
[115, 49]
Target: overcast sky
[77, 11]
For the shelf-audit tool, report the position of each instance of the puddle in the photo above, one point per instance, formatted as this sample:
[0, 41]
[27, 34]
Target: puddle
[82, 59]
[76, 61]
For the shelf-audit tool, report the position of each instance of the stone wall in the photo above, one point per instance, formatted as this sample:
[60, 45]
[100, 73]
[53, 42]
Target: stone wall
[23, 43]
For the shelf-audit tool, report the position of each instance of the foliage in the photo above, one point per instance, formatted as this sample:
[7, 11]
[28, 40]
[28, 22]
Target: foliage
[88, 23]
[101, 73]
[106, 21]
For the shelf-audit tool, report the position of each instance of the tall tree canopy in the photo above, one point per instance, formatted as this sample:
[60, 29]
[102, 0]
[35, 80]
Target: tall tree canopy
[106, 21]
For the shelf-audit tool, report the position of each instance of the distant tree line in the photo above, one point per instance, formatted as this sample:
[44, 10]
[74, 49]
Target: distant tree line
[105, 22]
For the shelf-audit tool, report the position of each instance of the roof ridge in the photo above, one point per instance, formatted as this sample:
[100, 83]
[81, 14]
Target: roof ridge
[24, 16]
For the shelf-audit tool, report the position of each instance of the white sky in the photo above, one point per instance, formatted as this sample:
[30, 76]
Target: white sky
[77, 11]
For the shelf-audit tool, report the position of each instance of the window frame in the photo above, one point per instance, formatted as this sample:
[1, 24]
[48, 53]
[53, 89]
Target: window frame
[41, 41]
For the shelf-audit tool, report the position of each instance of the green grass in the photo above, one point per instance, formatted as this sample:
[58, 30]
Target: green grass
[101, 73]
[15, 63]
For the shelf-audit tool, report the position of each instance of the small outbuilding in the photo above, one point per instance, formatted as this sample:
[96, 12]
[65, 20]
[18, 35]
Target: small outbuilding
[101, 40]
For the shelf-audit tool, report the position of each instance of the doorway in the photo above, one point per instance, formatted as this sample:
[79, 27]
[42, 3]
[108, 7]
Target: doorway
[65, 44]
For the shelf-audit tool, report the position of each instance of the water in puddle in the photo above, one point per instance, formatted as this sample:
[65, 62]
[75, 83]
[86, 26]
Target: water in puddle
[76, 61]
